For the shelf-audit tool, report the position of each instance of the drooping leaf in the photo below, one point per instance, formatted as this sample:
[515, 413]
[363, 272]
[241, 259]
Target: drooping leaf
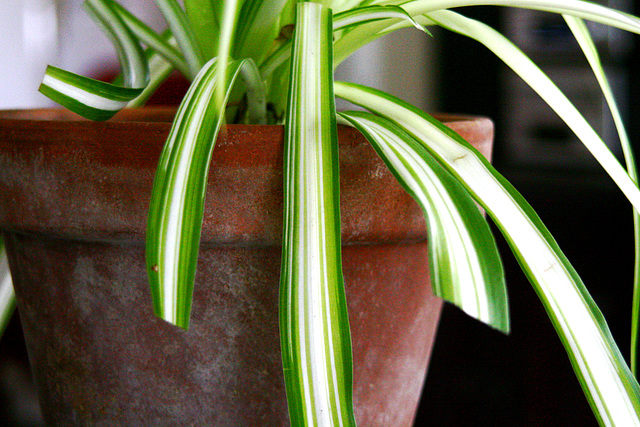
[607, 381]
[176, 210]
[464, 260]
[131, 56]
[314, 328]
[360, 15]
[364, 34]
[87, 97]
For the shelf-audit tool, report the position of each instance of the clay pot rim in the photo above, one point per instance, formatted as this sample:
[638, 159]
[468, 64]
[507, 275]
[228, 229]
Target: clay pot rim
[115, 162]
[156, 115]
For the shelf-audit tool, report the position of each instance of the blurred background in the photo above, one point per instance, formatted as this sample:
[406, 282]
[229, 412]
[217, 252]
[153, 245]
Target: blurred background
[477, 376]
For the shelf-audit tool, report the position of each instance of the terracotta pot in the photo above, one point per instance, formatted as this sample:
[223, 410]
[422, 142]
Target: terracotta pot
[74, 197]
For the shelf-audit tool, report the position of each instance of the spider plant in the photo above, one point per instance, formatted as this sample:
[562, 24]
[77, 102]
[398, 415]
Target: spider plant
[272, 61]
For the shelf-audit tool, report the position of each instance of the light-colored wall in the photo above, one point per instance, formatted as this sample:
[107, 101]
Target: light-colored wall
[29, 41]
[37, 33]
[376, 65]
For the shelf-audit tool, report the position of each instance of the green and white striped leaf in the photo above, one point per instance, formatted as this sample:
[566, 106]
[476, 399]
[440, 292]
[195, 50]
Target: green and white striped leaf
[159, 43]
[339, 6]
[464, 260]
[176, 211]
[181, 29]
[159, 70]
[314, 326]
[348, 42]
[131, 56]
[87, 97]
[360, 15]
[7, 294]
[228, 17]
[581, 33]
[91, 98]
[540, 82]
[606, 380]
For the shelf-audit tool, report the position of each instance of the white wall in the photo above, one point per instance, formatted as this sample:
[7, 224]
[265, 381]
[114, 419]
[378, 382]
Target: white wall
[28, 41]
[36, 33]
[402, 63]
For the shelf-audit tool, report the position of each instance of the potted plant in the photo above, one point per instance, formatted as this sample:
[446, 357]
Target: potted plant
[272, 62]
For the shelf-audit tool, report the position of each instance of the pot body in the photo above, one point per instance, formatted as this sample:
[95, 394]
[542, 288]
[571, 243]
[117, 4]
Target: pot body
[73, 210]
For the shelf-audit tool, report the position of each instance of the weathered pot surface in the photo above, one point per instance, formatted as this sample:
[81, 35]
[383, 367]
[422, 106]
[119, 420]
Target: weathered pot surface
[74, 203]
